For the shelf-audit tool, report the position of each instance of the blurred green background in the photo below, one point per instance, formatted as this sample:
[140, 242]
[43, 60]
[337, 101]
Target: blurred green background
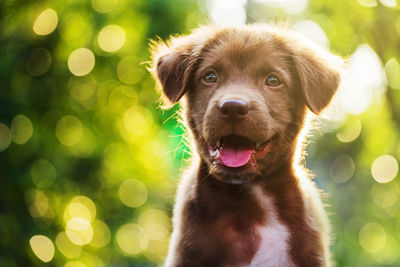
[89, 162]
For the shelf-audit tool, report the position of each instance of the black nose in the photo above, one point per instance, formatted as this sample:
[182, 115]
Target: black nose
[233, 109]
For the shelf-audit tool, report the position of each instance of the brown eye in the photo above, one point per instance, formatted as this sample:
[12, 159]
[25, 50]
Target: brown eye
[210, 77]
[272, 81]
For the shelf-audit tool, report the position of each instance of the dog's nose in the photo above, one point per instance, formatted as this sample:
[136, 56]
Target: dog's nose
[233, 109]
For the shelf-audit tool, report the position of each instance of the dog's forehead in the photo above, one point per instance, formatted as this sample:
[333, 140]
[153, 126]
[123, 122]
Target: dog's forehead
[244, 48]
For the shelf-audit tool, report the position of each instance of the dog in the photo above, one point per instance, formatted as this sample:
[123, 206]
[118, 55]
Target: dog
[245, 94]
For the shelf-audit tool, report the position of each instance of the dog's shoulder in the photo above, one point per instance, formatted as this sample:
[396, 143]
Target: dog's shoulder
[184, 193]
[313, 204]
[314, 211]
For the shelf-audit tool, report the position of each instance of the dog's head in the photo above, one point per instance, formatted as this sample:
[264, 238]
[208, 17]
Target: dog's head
[246, 91]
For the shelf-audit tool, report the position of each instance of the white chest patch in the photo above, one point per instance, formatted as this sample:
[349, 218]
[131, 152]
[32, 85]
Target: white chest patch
[274, 249]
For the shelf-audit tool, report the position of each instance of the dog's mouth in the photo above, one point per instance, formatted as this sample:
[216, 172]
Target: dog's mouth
[235, 151]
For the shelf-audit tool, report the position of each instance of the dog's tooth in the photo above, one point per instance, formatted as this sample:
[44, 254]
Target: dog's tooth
[218, 143]
[215, 154]
[253, 160]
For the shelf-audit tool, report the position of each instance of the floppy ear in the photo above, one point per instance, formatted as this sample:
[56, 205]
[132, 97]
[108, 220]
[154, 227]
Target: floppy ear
[173, 64]
[319, 73]
[174, 61]
[173, 72]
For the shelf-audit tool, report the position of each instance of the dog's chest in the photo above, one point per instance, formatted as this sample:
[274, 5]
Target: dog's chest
[274, 248]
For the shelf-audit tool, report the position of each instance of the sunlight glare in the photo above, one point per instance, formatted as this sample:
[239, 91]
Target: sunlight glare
[81, 207]
[223, 14]
[69, 130]
[388, 3]
[133, 193]
[111, 38]
[76, 210]
[81, 61]
[137, 121]
[385, 197]
[42, 247]
[363, 82]
[313, 31]
[349, 132]
[291, 7]
[384, 169]
[372, 237]
[156, 224]
[131, 238]
[128, 71]
[389, 254]
[67, 248]
[392, 69]
[79, 231]
[104, 6]
[101, 234]
[75, 264]
[21, 129]
[368, 3]
[38, 203]
[46, 22]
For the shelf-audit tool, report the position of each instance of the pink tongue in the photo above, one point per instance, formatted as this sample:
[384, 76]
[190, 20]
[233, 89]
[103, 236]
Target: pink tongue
[235, 158]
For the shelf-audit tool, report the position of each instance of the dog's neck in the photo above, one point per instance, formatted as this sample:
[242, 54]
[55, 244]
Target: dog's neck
[284, 173]
[281, 184]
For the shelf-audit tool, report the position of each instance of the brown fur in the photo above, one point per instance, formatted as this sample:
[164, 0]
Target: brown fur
[217, 214]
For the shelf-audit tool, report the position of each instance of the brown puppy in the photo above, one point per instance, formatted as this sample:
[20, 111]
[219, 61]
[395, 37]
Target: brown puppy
[245, 96]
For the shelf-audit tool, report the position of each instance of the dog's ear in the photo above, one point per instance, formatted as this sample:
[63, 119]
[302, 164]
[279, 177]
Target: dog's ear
[173, 64]
[318, 71]
[173, 73]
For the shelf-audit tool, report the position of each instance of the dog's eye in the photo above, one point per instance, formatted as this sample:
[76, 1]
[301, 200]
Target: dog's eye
[273, 81]
[210, 77]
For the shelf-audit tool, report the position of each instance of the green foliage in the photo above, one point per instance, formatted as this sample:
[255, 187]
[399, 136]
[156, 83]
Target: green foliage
[91, 145]
[89, 162]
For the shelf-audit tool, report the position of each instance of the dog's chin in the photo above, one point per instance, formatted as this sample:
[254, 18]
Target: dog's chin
[230, 175]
